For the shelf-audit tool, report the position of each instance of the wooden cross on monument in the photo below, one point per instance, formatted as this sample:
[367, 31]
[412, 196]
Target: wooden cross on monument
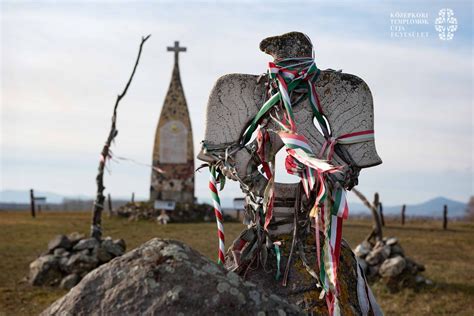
[176, 49]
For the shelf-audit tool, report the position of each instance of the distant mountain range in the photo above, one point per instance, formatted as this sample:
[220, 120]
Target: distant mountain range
[430, 208]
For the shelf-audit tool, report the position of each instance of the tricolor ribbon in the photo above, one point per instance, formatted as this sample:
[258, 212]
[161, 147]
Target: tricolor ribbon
[218, 213]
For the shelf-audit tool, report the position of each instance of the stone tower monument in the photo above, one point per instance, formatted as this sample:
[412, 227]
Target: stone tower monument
[173, 149]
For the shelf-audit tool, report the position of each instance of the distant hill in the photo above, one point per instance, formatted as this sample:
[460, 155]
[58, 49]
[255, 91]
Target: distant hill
[430, 208]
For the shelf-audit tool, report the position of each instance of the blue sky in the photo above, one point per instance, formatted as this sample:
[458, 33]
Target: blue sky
[62, 66]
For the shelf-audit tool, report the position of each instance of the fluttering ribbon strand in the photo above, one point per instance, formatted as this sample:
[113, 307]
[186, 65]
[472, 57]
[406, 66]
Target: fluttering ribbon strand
[218, 213]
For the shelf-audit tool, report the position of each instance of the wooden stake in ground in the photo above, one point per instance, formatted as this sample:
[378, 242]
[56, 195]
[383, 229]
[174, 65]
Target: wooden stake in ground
[445, 217]
[32, 203]
[403, 214]
[382, 218]
[96, 228]
[109, 200]
[377, 228]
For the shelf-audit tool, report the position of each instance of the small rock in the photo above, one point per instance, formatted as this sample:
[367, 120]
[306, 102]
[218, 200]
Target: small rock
[419, 279]
[391, 241]
[378, 255]
[81, 263]
[89, 243]
[75, 237]
[396, 249]
[362, 249]
[121, 243]
[68, 282]
[114, 249]
[61, 252]
[60, 241]
[102, 254]
[373, 271]
[45, 271]
[392, 267]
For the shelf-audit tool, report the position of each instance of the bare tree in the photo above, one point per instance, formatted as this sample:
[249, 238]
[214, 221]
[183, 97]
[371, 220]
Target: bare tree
[96, 228]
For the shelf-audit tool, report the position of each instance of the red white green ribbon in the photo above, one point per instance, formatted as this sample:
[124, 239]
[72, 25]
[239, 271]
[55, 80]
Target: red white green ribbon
[218, 213]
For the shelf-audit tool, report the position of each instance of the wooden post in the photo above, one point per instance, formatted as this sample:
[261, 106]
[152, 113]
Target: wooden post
[109, 200]
[403, 214]
[32, 202]
[445, 217]
[133, 197]
[381, 214]
[377, 229]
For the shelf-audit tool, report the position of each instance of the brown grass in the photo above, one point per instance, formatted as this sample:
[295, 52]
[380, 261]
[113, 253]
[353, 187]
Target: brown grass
[447, 255]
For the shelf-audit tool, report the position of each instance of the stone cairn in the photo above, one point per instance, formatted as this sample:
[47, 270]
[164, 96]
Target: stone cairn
[135, 211]
[69, 258]
[385, 260]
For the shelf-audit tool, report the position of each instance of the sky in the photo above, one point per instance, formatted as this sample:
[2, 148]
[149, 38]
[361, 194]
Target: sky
[63, 64]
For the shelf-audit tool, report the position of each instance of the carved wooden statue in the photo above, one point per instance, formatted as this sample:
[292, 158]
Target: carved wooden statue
[324, 120]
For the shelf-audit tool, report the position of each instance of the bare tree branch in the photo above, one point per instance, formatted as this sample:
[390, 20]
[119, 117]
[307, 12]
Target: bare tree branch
[98, 207]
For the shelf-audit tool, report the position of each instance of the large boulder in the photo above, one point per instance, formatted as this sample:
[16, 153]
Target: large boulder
[167, 277]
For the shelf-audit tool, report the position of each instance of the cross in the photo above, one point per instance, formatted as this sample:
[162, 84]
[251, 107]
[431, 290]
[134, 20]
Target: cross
[176, 49]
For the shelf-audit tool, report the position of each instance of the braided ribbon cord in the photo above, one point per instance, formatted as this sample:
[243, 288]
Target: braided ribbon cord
[218, 213]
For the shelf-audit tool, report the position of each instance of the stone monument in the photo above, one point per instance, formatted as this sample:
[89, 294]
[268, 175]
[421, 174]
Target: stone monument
[324, 121]
[172, 175]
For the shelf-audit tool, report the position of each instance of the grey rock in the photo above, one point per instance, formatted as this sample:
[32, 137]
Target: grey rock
[61, 252]
[373, 271]
[45, 271]
[391, 241]
[414, 267]
[121, 243]
[81, 263]
[378, 255]
[396, 250]
[75, 237]
[114, 249]
[60, 241]
[362, 249]
[102, 254]
[68, 282]
[392, 267]
[138, 283]
[89, 243]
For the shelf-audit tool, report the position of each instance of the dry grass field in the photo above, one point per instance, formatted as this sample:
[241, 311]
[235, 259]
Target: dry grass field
[447, 255]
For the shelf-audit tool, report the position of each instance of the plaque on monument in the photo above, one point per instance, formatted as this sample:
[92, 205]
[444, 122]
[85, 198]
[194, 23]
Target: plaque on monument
[173, 142]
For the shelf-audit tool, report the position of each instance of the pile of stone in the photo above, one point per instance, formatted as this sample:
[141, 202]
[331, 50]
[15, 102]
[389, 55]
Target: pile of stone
[69, 258]
[385, 260]
[135, 211]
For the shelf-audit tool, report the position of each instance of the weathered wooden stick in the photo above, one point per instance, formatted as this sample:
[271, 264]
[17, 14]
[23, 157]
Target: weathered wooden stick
[445, 217]
[377, 225]
[32, 203]
[382, 218]
[133, 197]
[96, 228]
[403, 214]
[109, 200]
